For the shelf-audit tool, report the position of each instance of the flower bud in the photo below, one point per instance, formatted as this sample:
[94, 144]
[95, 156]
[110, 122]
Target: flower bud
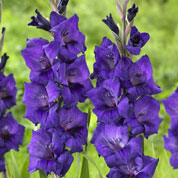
[111, 24]
[62, 6]
[3, 61]
[132, 13]
[40, 22]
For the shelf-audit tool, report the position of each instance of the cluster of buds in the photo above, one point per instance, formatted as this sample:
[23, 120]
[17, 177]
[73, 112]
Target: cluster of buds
[123, 100]
[59, 81]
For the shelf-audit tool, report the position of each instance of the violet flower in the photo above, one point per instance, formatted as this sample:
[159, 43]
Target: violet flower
[111, 140]
[122, 100]
[59, 80]
[48, 153]
[11, 134]
[134, 166]
[141, 77]
[69, 41]
[171, 104]
[7, 90]
[105, 99]
[107, 57]
[171, 141]
[2, 164]
[146, 119]
[37, 61]
[137, 41]
[37, 101]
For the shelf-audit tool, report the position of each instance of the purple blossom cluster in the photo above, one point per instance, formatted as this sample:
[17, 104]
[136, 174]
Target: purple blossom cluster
[123, 103]
[59, 81]
[11, 133]
[171, 141]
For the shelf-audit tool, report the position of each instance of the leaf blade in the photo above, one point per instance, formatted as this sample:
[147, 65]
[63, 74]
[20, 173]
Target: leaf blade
[42, 174]
[24, 171]
[93, 162]
[16, 170]
[85, 169]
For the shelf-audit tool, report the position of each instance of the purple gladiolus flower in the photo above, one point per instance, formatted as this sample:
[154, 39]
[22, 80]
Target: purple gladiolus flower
[171, 142]
[7, 90]
[121, 71]
[134, 166]
[2, 108]
[171, 104]
[48, 153]
[110, 140]
[137, 41]
[37, 101]
[69, 41]
[37, 61]
[105, 99]
[11, 134]
[146, 119]
[73, 73]
[140, 72]
[56, 19]
[2, 165]
[141, 77]
[107, 57]
[74, 126]
[72, 123]
[71, 81]
[122, 100]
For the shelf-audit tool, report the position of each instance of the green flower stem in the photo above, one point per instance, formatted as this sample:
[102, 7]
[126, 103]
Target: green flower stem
[4, 175]
[55, 176]
[93, 162]
[53, 5]
[0, 10]
[78, 164]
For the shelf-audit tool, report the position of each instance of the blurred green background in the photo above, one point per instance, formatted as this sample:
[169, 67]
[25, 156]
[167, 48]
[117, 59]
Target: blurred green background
[159, 18]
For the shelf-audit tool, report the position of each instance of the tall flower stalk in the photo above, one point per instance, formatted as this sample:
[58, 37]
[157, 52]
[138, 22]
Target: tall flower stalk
[123, 99]
[59, 81]
[11, 133]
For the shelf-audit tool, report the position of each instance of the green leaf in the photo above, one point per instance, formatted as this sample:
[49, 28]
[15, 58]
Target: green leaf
[24, 170]
[14, 163]
[8, 171]
[42, 174]
[4, 174]
[93, 162]
[85, 169]
[89, 117]
[78, 164]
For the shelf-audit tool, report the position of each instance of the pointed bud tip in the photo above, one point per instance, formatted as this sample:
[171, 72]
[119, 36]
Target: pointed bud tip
[3, 30]
[111, 24]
